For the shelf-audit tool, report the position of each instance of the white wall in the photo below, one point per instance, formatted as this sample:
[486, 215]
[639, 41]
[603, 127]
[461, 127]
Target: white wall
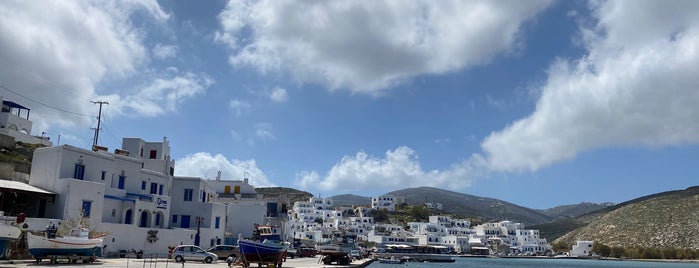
[126, 237]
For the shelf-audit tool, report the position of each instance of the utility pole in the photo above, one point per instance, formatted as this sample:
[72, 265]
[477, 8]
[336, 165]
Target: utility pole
[99, 120]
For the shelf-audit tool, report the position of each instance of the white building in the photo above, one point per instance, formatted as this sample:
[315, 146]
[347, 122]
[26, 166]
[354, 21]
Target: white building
[582, 248]
[124, 194]
[14, 122]
[193, 207]
[387, 202]
[247, 208]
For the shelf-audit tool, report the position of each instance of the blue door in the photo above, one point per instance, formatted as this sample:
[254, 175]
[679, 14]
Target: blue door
[128, 217]
[184, 221]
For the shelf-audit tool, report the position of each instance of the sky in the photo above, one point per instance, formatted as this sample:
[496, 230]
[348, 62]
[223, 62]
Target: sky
[538, 103]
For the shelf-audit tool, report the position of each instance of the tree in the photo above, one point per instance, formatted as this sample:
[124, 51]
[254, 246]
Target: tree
[420, 213]
[601, 249]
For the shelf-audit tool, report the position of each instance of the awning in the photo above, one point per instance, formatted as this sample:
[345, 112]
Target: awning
[21, 186]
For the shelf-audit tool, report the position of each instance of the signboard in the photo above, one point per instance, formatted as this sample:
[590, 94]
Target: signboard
[161, 203]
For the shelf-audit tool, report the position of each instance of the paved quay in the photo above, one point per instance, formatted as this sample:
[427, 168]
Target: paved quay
[164, 263]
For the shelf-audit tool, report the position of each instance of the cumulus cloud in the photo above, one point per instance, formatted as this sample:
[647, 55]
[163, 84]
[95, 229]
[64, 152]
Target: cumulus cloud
[368, 46]
[64, 52]
[363, 172]
[205, 165]
[278, 94]
[162, 52]
[636, 86]
[163, 94]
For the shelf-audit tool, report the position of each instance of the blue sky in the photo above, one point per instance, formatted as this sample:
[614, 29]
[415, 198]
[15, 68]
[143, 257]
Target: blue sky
[539, 103]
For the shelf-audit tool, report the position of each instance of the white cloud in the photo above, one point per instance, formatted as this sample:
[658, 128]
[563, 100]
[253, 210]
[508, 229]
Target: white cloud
[60, 52]
[264, 131]
[163, 95]
[398, 167]
[205, 165]
[278, 95]
[162, 52]
[637, 86]
[368, 46]
[239, 106]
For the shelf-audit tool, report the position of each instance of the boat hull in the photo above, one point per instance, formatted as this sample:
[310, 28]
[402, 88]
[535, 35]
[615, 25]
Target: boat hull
[258, 252]
[40, 246]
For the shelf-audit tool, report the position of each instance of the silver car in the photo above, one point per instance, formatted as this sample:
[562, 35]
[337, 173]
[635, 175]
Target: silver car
[191, 252]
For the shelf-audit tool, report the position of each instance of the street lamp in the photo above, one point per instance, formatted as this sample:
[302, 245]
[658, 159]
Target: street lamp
[199, 220]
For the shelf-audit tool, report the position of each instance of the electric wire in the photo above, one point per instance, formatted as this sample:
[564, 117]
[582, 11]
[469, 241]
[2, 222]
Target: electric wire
[44, 104]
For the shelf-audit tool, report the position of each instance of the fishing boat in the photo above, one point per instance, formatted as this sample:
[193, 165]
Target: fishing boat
[77, 243]
[7, 233]
[262, 253]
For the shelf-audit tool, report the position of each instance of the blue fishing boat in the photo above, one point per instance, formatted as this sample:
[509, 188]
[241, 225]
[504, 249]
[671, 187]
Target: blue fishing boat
[262, 253]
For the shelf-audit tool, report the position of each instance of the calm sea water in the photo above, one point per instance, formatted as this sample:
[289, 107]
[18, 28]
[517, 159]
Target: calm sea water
[538, 263]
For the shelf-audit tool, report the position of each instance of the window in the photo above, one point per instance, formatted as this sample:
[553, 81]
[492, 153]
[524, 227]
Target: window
[153, 154]
[104, 174]
[160, 190]
[153, 188]
[143, 185]
[217, 222]
[188, 194]
[174, 218]
[157, 219]
[122, 181]
[79, 171]
[87, 206]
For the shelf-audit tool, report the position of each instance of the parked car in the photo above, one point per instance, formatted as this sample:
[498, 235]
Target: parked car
[191, 252]
[224, 251]
[307, 252]
[355, 254]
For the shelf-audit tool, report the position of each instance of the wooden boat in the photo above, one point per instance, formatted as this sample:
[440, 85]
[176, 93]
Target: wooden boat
[262, 253]
[77, 243]
[7, 233]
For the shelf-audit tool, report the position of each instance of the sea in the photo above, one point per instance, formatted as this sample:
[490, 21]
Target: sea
[537, 263]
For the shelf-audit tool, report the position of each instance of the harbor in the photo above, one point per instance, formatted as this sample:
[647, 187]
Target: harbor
[165, 263]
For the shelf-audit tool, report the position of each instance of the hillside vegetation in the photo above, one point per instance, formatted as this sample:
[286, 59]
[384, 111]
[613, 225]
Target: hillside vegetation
[293, 194]
[664, 220]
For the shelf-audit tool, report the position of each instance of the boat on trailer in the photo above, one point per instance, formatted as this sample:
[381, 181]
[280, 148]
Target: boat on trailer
[76, 246]
[262, 253]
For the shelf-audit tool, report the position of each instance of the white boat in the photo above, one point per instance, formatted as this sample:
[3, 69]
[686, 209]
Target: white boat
[7, 233]
[78, 243]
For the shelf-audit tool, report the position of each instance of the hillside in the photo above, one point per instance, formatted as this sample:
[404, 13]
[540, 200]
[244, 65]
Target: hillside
[293, 194]
[568, 211]
[667, 219]
[350, 200]
[470, 206]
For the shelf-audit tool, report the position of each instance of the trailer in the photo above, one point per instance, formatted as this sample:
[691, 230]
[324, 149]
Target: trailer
[53, 259]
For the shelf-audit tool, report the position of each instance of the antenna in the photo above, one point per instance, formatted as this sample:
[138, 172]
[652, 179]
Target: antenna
[99, 120]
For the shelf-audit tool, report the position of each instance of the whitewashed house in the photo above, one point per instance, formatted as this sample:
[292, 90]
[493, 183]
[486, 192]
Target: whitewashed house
[113, 191]
[387, 202]
[193, 207]
[582, 248]
[14, 122]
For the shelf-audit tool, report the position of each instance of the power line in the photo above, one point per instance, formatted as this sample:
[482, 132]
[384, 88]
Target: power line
[44, 104]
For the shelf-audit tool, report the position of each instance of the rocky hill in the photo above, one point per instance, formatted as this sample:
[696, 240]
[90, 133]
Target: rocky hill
[568, 211]
[667, 219]
[293, 194]
[471, 206]
[350, 200]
